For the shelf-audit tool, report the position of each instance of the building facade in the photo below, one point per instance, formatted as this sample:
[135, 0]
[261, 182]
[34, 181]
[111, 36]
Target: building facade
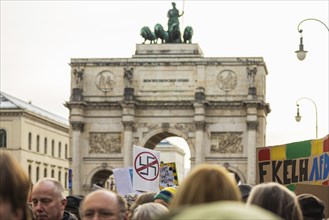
[218, 105]
[39, 140]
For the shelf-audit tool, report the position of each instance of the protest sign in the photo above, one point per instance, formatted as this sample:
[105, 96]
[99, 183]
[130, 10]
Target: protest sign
[298, 162]
[146, 169]
[168, 175]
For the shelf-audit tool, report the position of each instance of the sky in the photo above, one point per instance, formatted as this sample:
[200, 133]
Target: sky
[39, 38]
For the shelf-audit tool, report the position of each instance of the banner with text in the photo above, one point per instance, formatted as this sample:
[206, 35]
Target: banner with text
[304, 161]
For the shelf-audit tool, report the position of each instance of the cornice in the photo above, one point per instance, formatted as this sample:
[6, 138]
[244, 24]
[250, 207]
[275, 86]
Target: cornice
[35, 119]
[165, 61]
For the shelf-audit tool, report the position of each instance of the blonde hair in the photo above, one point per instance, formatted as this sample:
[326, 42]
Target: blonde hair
[276, 198]
[206, 183]
[14, 183]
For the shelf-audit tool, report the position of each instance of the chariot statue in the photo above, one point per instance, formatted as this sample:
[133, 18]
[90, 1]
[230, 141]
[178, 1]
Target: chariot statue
[173, 34]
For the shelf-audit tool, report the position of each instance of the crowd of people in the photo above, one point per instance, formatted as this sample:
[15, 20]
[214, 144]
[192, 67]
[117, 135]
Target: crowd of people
[208, 192]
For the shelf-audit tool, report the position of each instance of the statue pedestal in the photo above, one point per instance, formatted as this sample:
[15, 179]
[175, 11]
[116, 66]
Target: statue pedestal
[168, 50]
[129, 94]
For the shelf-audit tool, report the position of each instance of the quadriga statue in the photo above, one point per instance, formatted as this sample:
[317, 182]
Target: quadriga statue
[188, 33]
[160, 33]
[147, 34]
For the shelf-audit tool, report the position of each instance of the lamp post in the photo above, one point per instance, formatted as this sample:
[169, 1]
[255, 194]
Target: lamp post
[301, 53]
[298, 117]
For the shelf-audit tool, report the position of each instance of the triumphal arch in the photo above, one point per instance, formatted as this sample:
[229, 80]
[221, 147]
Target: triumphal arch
[217, 104]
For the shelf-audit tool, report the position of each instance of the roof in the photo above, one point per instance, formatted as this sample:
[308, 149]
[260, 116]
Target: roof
[9, 102]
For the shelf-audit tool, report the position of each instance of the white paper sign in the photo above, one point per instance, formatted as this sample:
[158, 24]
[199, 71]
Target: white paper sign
[146, 169]
[123, 181]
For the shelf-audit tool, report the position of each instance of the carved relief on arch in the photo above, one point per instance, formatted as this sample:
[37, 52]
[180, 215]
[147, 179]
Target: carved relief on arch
[185, 127]
[105, 81]
[104, 143]
[227, 80]
[226, 142]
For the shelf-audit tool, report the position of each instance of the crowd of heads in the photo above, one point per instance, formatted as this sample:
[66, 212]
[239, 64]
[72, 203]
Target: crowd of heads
[208, 192]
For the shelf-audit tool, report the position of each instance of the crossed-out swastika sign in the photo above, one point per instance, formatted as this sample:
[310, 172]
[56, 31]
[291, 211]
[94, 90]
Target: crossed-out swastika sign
[146, 169]
[147, 166]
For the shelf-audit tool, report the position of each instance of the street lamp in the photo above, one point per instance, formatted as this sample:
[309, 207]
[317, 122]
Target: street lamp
[298, 117]
[301, 53]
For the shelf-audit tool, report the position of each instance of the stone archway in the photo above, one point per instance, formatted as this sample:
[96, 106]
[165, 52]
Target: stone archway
[173, 90]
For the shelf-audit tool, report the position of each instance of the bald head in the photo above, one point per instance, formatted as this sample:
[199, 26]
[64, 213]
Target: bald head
[48, 199]
[104, 204]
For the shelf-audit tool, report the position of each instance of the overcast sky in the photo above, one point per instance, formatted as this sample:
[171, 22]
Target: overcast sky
[38, 39]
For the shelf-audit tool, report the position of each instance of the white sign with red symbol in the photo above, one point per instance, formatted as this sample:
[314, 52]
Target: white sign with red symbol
[146, 168]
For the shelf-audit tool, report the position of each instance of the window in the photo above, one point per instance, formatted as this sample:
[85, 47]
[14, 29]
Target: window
[45, 172]
[52, 148]
[66, 153]
[38, 143]
[30, 141]
[45, 145]
[37, 175]
[65, 184]
[59, 176]
[30, 171]
[3, 138]
[59, 149]
[52, 173]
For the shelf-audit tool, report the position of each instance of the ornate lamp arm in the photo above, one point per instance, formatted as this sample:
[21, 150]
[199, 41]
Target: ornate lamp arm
[301, 53]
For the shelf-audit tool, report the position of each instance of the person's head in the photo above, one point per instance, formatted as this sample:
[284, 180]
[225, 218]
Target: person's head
[14, 188]
[245, 191]
[141, 199]
[206, 183]
[48, 199]
[222, 210]
[277, 199]
[165, 196]
[149, 211]
[73, 204]
[312, 207]
[103, 204]
[130, 199]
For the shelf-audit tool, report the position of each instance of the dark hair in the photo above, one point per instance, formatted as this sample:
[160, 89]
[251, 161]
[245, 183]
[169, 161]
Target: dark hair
[14, 182]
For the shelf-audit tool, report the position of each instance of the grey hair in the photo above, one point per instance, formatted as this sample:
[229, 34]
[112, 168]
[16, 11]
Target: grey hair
[58, 186]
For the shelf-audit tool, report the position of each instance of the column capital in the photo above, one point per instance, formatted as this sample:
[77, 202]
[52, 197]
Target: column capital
[77, 125]
[252, 125]
[200, 125]
[128, 125]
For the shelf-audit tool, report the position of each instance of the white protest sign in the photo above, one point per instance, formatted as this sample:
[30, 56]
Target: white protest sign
[146, 168]
[123, 181]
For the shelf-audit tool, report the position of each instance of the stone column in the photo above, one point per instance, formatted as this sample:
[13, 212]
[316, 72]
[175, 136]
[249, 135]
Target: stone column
[252, 140]
[127, 143]
[199, 121]
[128, 118]
[199, 142]
[77, 128]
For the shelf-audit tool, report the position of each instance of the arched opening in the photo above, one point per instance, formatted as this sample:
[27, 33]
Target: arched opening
[104, 179]
[172, 149]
